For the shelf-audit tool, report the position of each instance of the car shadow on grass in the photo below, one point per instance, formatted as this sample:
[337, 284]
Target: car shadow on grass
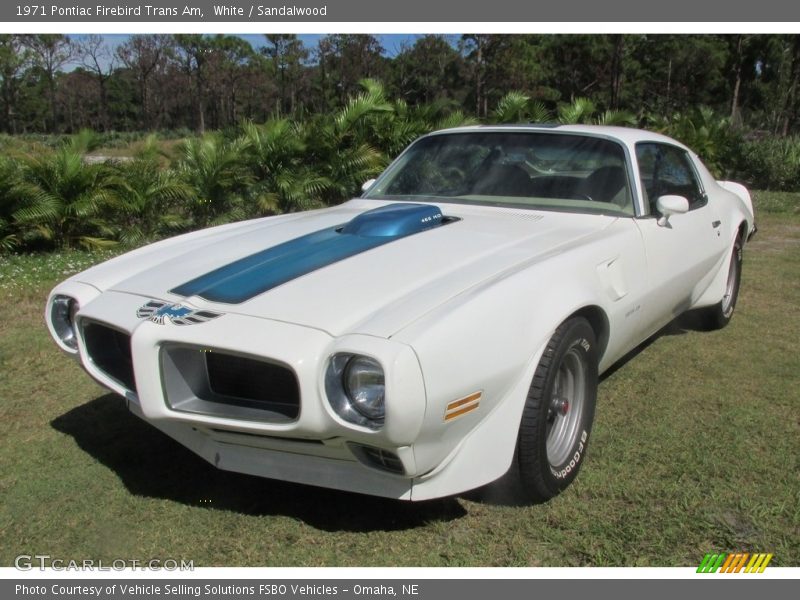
[684, 323]
[152, 465]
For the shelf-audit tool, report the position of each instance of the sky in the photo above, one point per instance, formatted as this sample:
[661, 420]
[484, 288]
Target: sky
[392, 43]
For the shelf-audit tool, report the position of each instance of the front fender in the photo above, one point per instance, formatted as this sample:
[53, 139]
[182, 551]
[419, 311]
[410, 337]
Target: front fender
[487, 341]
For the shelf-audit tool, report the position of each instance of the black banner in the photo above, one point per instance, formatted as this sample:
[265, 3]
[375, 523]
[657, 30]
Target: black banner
[298, 11]
[401, 589]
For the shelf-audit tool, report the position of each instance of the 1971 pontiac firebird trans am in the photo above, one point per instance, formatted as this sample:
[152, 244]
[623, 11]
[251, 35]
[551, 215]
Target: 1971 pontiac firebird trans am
[423, 339]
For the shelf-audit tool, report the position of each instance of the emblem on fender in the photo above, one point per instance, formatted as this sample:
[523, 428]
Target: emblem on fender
[177, 314]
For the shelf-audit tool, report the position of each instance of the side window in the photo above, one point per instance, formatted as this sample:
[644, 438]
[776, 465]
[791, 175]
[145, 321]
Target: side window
[664, 170]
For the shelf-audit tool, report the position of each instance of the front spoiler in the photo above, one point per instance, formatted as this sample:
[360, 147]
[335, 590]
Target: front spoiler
[338, 470]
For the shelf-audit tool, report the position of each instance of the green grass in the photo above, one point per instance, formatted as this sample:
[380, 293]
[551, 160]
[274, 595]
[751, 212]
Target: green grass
[776, 202]
[695, 449]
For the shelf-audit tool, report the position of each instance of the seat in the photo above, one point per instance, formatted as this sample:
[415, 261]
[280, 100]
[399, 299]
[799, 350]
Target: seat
[503, 180]
[607, 184]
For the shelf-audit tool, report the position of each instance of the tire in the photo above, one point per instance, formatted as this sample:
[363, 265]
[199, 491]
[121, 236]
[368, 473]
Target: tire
[553, 437]
[719, 315]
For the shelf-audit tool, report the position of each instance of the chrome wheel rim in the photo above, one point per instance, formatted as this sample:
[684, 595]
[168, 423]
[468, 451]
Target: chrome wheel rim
[565, 410]
[730, 287]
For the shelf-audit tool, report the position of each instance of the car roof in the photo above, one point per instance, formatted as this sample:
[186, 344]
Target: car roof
[627, 135]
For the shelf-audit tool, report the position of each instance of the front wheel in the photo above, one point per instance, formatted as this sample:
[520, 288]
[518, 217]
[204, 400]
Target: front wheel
[719, 315]
[559, 410]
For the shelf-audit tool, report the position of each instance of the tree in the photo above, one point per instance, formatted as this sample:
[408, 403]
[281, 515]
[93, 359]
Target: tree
[790, 108]
[516, 107]
[285, 182]
[195, 51]
[217, 173]
[496, 64]
[473, 46]
[681, 71]
[344, 156]
[228, 59]
[344, 60]
[583, 110]
[9, 204]
[65, 197]
[98, 60]
[143, 55]
[14, 61]
[150, 198]
[50, 53]
[288, 56]
[427, 71]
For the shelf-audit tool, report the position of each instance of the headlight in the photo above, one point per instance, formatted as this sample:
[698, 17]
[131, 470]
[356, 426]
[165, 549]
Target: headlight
[356, 388]
[62, 316]
[365, 387]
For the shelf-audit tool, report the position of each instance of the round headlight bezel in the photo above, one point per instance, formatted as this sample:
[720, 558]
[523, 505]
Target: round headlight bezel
[358, 402]
[62, 319]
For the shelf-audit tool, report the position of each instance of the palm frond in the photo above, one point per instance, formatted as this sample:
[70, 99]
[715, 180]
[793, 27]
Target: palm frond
[579, 111]
[512, 108]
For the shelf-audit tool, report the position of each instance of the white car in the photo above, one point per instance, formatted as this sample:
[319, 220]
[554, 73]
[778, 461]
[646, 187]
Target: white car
[423, 339]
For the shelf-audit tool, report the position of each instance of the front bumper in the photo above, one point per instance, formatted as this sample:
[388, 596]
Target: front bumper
[315, 446]
[326, 463]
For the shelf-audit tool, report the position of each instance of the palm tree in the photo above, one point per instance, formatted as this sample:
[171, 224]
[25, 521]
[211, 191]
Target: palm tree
[216, 172]
[516, 107]
[284, 182]
[9, 204]
[583, 110]
[344, 154]
[150, 199]
[63, 197]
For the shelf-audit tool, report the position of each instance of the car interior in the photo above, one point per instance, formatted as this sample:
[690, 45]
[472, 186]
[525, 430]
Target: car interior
[607, 184]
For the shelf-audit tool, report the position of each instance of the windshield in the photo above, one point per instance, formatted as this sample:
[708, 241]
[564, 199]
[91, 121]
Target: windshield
[550, 171]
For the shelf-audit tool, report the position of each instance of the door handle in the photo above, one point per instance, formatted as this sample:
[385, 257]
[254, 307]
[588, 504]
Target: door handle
[716, 224]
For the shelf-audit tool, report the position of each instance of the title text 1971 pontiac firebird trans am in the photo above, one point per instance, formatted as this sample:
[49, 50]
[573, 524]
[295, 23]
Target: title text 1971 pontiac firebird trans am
[423, 339]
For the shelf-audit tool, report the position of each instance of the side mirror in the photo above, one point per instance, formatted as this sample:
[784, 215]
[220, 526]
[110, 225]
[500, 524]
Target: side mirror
[670, 205]
[367, 184]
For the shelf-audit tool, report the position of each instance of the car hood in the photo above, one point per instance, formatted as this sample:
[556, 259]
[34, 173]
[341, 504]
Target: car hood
[376, 290]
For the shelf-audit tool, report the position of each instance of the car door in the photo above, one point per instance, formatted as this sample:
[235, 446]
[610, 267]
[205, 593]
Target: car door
[682, 252]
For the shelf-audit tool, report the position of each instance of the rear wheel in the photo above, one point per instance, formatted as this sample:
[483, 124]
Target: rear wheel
[559, 411]
[719, 315]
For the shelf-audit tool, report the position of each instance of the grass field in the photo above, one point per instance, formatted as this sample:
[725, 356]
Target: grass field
[695, 449]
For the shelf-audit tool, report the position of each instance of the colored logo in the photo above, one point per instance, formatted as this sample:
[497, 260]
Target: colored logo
[741, 562]
[177, 314]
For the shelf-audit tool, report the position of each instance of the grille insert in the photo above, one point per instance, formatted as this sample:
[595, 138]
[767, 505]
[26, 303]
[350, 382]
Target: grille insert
[238, 380]
[210, 382]
[110, 351]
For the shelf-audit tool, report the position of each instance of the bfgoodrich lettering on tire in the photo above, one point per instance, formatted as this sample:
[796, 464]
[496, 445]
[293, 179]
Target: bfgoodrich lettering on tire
[558, 414]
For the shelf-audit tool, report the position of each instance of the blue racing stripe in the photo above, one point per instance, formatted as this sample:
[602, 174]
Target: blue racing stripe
[252, 275]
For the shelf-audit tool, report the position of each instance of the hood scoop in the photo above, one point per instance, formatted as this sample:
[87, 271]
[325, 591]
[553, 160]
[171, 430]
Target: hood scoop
[257, 273]
[394, 220]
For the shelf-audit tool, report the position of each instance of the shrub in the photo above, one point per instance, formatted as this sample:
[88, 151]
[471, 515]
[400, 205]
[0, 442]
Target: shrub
[706, 133]
[772, 163]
